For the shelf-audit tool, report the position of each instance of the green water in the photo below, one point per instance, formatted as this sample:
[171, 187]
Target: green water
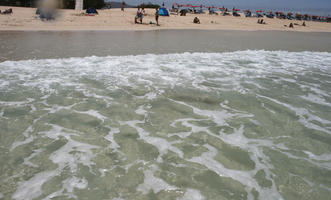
[241, 125]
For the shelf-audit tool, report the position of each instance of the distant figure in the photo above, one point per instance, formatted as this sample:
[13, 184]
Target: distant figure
[123, 5]
[163, 4]
[142, 15]
[196, 20]
[304, 24]
[183, 12]
[157, 16]
[291, 25]
[8, 11]
[137, 16]
[261, 21]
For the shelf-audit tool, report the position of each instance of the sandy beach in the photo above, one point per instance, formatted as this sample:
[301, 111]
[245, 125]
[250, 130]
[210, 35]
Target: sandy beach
[24, 19]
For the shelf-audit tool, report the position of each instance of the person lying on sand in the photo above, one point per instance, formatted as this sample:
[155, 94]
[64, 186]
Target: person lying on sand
[196, 20]
[8, 11]
[261, 21]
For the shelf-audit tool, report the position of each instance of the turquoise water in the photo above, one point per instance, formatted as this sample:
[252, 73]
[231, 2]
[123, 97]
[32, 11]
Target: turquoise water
[239, 125]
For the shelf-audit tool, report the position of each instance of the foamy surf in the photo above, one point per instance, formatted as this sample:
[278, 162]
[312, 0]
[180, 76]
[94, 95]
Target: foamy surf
[238, 125]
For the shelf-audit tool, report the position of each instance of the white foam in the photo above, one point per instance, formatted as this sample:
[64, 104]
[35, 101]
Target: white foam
[31, 189]
[161, 144]
[156, 76]
[93, 113]
[63, 157]
[68, 187]
[192, 194]
[34, 154]
[153, 183]
[110, 138]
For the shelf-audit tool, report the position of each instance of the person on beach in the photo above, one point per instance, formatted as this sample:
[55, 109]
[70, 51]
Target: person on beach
[142, 13]
[291, 25]
[304, 24]
[137, 16]
[123, 5]
[157, 16]
[196, 20]
[8, 11]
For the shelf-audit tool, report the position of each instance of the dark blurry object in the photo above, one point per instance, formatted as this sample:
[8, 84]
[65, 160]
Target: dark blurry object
[92, 11]
[196, 20]
[8, 11]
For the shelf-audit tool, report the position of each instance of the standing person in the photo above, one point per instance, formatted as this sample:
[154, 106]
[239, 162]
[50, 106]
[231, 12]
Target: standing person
[163, 4]
[137, 16]
[123, 5]
[157, 16]
[142, 14]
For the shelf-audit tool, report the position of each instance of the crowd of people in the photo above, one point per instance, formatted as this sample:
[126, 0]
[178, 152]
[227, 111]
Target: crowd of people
[49, 14]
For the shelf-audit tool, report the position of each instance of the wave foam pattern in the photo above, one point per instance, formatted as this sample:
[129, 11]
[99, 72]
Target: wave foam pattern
[240, 125]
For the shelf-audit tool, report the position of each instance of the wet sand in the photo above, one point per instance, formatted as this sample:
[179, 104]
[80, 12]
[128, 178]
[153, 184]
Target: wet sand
[39, 45]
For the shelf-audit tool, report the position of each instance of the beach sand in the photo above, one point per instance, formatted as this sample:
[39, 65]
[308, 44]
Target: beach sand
[24, 19]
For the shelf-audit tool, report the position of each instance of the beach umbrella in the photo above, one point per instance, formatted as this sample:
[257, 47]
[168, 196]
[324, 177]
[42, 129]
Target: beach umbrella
[222, 8]
[236, 10]
[259, 11]
[289, 14]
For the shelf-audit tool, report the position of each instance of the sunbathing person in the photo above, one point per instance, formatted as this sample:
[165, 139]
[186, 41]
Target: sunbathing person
[196, 20]
[8, 11]
[183, 12]
[291, 25]
[304, 24]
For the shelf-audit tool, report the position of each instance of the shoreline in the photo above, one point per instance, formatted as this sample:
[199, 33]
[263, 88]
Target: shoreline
[24, 19]
[161, 29]
[154, 30]
[64, 44]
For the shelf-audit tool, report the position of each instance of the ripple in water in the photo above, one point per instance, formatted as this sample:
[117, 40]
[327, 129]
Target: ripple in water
[241, 125]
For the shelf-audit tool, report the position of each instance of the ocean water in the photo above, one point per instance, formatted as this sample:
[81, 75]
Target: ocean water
[233, 125]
